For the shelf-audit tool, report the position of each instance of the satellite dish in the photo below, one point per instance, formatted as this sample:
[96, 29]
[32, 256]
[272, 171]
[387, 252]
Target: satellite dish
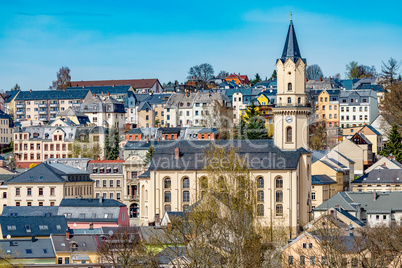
[8, 236]
[110, 233]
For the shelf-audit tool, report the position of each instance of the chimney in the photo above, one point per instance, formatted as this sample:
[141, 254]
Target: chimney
[30, 90]
[159, 139]
[118, 158]
[320, 79]
[108, 93]
[68, 234]
[147, 140]
[374, 195]
[176, 153]
[104, 158]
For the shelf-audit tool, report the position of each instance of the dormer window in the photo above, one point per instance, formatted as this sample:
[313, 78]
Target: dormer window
[115, 170]
[108, 170]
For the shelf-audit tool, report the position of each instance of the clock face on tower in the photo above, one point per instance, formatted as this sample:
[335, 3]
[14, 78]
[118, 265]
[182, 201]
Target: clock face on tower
[289, 119]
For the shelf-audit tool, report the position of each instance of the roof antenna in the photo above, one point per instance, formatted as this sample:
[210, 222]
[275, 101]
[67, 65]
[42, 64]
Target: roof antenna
[291, 20]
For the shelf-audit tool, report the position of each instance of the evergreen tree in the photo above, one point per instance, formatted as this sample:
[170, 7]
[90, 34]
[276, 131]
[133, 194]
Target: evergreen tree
[252, 125]
[150, 154]
[274, 75]
[112, 149]
[394, 145]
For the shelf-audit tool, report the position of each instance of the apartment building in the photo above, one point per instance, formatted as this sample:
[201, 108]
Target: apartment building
[6, 129]
[47, 184]
[9, 101]
[104, 111]
[357, 107]
[327, 107]
[37, 143]
[381, 180]
[179, 110]
[44, 105]
[108, 177]
[208, 106]
[322, 188]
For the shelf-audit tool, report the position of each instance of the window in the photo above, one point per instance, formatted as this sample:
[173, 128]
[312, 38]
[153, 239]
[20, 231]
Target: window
[290, 260]
[289, 100]
[28, 228]
[168, 208]
[51, 191]
[260, 183]
[81, 216]
[260, 196]
[104, 183]
[279, 210]
[111, 196]
[43, 227]
[313, 196]
[11, 228]
[324, 260]
[279, 196]
[167, 184]
[41, 204]
[289, 86]
[17, 191]
[312, 260]
[118, 196]
[117, 183]
[29, 191]
[279, 183]
[97, 183]
[186, 183]
[302, 260]
[110, 183]
[186, 196]
[40, 191]
[168, 197]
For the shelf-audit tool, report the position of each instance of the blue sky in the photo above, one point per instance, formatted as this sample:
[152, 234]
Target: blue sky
[162, 39]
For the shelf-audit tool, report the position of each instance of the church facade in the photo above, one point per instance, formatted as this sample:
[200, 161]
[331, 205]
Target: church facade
[281, 167]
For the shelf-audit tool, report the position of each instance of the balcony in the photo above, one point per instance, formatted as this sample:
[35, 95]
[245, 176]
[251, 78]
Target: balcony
[19, 106]
[43, 105]
[20, 112]
[54, 105]
[42, 112]
[44, 118]
[54, 111]
[134, 198]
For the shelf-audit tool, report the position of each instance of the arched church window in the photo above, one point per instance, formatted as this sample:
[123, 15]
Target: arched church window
[186, 183]
[299, 100]
[279, 183]
[289, 86]
[289, 100]
[260, 182]
[288, 134]
[167, 184]
[279, 210]
[279, 196]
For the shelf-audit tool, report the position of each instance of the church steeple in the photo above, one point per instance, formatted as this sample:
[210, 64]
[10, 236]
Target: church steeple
[291, 49]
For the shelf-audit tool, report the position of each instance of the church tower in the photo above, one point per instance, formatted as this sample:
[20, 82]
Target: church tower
[292, 109]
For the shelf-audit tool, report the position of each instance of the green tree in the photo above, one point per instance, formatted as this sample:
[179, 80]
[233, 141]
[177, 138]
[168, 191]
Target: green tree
[256, 80]
[274, 75]
[63, 79]
[394, 145]
[252, 125]
[150, 154]
[112, 149]
[354, 70]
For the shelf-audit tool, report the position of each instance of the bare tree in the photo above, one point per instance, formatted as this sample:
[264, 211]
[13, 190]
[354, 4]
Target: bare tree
[16, 87]
[202, 72]
[392, 105]
[63, 79]
[389, 71]
[124, 248]
[219, 116]
[222, 74]
[354, 70]
[314, 72]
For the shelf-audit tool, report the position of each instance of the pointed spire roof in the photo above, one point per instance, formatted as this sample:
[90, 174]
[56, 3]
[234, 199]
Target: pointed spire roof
[291, 49]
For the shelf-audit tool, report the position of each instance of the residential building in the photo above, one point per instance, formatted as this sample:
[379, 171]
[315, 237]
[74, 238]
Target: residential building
[38, 143]
[104, 111]
[108, 177]
[382, 180]
[370, 133]
[84, 213]
[327, 107]
[238, 79]
[266, 101]
[139, 85]
[372, 208]
[47, 184]
[357, 107]
[44, 105]
[146, 115]
[75, 249]
[384, 163]
[26, 227]
[241, 99]
[361, 140]
[6, 129]
[71, 116]
[208, 106]
[323, 84]
[29, 251]
[179, 110]
[322, 188]
[382, 126]
[9, 101]
[354, 152]
[155, 103]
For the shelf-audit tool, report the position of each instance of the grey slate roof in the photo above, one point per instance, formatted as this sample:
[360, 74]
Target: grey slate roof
[29, 211]
[52, 94]
[321, 179]
[56, 225]
[28, 248]
[85, 243]
[380, 176]
[85, 202]
[9, 95]
[291, 49]
[258, 154]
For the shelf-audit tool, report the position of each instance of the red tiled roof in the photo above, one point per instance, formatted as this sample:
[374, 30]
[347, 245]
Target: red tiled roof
[136, 83]
[106, 161]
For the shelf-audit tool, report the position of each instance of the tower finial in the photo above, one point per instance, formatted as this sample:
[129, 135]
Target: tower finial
[291, 20]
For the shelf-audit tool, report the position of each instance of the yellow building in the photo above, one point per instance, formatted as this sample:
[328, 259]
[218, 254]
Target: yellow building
[327, 107]
[75, 249]
[47, 184]
[322, 188]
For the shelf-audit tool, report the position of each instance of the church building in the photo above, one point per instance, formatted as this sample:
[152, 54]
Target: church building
[281, 167]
